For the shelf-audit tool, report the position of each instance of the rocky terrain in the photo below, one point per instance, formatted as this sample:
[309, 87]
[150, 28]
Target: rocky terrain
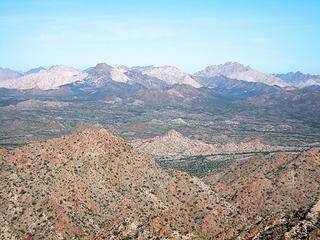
[174, 144]
[91, 184]
[234, 166]
[271, 188]
[270, 185]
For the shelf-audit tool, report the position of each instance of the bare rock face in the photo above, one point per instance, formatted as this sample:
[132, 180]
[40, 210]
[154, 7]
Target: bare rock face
[175, 144]
[92, 185]
[45, 79]
[171, 75]
[238, 71]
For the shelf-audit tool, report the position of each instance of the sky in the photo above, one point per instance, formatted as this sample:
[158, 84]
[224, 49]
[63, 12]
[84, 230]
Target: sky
[271, 36]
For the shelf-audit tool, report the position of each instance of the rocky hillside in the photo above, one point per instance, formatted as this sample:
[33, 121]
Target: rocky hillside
[93, 185]
[270, 187]
[175, 144]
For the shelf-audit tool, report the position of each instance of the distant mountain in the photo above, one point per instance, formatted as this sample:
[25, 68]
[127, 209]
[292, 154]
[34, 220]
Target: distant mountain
[308, 82]
[35, 70]
[92, 185]
[145, 80]
[234, 87]
[45, 79]
[171, 75]
[102, 73]
[6, 73]
[136, 68]
[238, 71]
[295, 77]
[229, 78]
[300, 80]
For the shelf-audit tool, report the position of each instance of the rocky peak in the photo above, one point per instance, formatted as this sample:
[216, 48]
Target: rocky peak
[235, 66]
[100, 69]
[103, 72]
[103, 67]
[173, 134]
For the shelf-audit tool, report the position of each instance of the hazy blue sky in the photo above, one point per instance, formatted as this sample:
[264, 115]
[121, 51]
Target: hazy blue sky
[272, 36]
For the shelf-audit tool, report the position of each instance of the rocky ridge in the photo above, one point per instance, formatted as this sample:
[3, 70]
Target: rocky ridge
[93, 185]
[175, 144]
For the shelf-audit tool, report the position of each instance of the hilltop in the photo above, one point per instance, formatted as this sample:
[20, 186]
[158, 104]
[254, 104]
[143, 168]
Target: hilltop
[93, 185]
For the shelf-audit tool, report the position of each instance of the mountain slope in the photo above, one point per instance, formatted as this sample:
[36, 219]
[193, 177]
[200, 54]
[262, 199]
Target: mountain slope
[275, 174]
[238, 71]
[46, 79]
[170, 75]
[92, 185]
[6, 73]
[270, 187]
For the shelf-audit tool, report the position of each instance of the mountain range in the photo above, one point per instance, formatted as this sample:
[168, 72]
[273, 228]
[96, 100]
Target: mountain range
[151, 76]
[226, 153]
[45, 79]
